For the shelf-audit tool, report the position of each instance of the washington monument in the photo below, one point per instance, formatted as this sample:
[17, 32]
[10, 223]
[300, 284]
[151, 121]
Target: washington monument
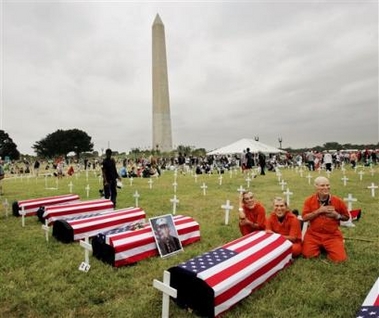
[162, 138]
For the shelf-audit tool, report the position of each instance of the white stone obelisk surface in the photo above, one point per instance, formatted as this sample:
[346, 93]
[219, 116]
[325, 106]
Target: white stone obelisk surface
[162, 138]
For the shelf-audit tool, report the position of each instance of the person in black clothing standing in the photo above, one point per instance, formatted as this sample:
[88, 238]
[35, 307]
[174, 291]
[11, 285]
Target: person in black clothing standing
[262, 162]
[110, 177]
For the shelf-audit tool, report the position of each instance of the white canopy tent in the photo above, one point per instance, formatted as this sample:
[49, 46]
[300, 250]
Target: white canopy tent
[242, 144]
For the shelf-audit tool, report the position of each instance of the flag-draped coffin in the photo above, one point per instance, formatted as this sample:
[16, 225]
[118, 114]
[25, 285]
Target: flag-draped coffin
[77, 228]
[215, 281]
[31, 206]
[124, 246]
[64, 211]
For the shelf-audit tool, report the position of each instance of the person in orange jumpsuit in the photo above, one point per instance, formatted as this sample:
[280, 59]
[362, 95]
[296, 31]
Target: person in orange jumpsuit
[252, 214]
[324, 212]
[284, 222]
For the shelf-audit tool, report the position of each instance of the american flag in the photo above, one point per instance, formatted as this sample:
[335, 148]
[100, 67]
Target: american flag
[77, 228]
[64, 211]
[213, 282]
[31, 206]
[131, 246]
[370, 306]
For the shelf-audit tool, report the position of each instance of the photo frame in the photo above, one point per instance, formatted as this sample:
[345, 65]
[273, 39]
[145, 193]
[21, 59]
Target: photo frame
[166, 236]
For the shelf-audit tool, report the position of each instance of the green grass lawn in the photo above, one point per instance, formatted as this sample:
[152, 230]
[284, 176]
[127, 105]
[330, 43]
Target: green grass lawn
[41, 279]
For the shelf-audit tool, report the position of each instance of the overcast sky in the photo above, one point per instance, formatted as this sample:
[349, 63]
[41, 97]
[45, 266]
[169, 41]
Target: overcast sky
[303, 70]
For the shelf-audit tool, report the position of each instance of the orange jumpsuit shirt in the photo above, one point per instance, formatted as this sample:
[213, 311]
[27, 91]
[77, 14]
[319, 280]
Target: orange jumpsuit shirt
[289, 227]
[256, 215]
[324, 232]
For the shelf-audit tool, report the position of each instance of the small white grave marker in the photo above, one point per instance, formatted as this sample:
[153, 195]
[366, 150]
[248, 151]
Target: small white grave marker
[131, 181]
[150, 182]
[282, 183]
[344, 179]
[241, 189]
[174, 201]
[248, 180]
[46, 228]
[301, 173]
[87, 189]
[328, 173]
[288, 194]
[6, 207]
[361, 173]
[167, 291]
[204, 187]
[227, 207]
[309, 177]
[175, 184]
[372, 187]
[279, 175]
[22, 213]
[85, 266]
[136, 196]
[195, 176]
[349, 200]
[220, 180]
[70, 185]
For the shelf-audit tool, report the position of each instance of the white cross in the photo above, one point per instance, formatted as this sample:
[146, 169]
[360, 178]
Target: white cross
[175, 184]
[279, 175]
[136, 196]
[174, 201]
[349, 201]
[87, 189]
[248, 181]
[46, 228]
[282, 183]
[150, 182]
[131, 181]
[344, 179]
[240, 190]
[195, 176]
[167, 291]
[22, 213]
[288, 194]
[220, 180]
[204, 187]
[85, 266]
[175, 174]
[372, 172]
[227, 207]
[328, 173]
[70, 186]
[373, 187]
[6, 206]
[301, 173]
[309, 177]
[361, 173]
[355, 169]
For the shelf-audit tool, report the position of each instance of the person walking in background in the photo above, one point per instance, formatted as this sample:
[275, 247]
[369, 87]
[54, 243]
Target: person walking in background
[110, 177]
[324, 213]
[284, 222]
[249, 160]
[252, 214]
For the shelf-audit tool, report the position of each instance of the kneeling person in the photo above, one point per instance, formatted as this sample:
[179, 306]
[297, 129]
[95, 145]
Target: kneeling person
[284, 222]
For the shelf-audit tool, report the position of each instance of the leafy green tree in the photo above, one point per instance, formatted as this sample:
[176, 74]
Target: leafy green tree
[8, 147]
[62, 142]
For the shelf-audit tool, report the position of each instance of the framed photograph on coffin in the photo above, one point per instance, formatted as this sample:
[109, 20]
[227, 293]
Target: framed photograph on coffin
[166, 235]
